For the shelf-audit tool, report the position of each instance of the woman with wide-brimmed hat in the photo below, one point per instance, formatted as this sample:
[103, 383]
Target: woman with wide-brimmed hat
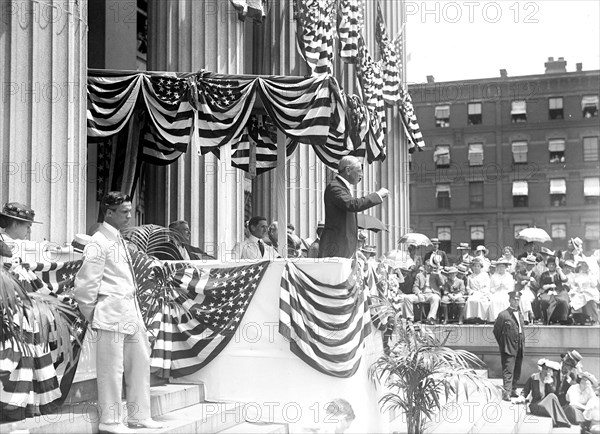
[579, 396]
[15, 223]
[553, 295]
[542, 386]
[501, 283]
[478, 290]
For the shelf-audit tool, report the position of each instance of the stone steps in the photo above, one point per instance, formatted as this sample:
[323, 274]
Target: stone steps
[182, 408]
[256, 428]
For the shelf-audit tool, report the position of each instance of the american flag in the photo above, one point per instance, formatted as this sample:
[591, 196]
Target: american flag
[113, 98]
[409, 122]
[389, 59]
[103, 160]
[224, 106]
[325, 324]
[262, 133]
[315, 19]
[348, 30]
[202, 316]
[369, 75]
[58, 276]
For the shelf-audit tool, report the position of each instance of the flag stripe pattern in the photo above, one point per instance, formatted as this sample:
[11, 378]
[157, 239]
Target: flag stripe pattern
[325, 324]
[389, 61]
[29, 382]
[410, 123]
[201, 316]
[261, 132]
[112, 99]
[224, 106]
[348, 30]
[316, 35]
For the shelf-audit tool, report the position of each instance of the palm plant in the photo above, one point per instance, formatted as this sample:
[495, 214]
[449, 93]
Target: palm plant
[153, 240]
[13, 300]
[420, 375]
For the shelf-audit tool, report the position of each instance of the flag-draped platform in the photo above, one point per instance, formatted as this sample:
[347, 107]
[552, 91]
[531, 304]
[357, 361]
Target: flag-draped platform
[260, 367]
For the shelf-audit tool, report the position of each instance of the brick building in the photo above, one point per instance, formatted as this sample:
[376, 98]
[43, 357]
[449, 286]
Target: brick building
[507, 153]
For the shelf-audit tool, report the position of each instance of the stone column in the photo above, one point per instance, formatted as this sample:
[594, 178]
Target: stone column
[43, 70]
[186, 36]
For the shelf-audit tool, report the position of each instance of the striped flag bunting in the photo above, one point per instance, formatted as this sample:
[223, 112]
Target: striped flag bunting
[325, 324]
[29, 379]
[112, 100]
[409, 122]
[224, 105]
[389, 60]
[315, 24]
[348, 29]
[262, 133]
[201, 313]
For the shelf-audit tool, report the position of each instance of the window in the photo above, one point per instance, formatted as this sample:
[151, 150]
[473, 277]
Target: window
[519, 150]
[518, 111]
[555, 108]
[474, 113]
[476, 194]
[559, 231]
[442, 116]
[519, 228]
[589, 106]
[477, 236]
[442, 192]
[445, 236]
[557, 150]
[476, 154]
[558, 192]
[591, 190]
[520, 191]
[590, 149]
[591, 231]
[441, 156]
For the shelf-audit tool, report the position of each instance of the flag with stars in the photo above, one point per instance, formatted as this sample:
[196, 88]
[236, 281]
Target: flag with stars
[325, 324]
[58, 276]
[207, 307]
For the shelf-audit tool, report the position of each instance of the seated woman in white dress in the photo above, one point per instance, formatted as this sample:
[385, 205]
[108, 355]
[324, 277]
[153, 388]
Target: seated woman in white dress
[478, 290]
[501, 283]
[481, 253]
[583, 293]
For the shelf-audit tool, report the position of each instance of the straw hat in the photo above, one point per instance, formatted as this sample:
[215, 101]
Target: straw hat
[18, 211]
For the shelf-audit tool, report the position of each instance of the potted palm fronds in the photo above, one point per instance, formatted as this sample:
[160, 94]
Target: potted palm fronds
[420, 375]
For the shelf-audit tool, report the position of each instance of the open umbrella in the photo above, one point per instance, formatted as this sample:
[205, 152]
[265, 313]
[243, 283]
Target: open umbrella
[416, 239]
[534, 234]
[371, 223]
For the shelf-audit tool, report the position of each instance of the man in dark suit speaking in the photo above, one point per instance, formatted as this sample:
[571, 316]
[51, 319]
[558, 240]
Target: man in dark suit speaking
[340, 234]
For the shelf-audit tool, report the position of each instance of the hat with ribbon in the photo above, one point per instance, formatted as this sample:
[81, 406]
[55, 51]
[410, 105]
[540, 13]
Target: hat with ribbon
[591, 377]
[503, 261]
[462, 269]
[577, 242]
[482, 248]
[18, 211]
[547, 251]
[463, 246]
[572, 358]
[530, 260]
[435, 240]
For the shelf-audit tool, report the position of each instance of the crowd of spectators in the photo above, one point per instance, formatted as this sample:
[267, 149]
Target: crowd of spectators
[556, 287]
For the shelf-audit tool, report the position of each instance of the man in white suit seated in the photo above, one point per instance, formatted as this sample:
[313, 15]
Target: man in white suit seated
[105, 289]
[253, 247]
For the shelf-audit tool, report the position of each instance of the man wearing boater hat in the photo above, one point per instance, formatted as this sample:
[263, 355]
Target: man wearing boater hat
[509, 330]
[16, 220]
[569, 369]
[440, 256]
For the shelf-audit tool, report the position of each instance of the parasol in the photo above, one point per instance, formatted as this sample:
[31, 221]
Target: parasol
[534, 234]
[371, 223]
[416, 239]
[399, 259]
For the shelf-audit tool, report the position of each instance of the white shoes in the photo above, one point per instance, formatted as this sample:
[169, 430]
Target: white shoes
[119, 428]
[114, 428]
[146, 423]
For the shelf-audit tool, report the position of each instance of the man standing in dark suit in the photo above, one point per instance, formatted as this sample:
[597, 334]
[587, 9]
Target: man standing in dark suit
[509, 331]
[340, 234]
